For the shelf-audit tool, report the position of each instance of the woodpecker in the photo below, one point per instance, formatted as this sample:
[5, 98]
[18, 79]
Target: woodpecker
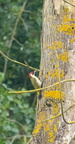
[34, 80]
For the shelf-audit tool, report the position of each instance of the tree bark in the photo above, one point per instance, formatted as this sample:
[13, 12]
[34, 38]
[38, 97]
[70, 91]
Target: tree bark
[55, 119]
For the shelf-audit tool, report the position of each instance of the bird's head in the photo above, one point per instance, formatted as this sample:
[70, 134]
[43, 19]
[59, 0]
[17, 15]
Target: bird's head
[31, 74]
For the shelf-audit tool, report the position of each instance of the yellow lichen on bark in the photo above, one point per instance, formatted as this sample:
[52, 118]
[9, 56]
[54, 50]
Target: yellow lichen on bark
[72, 40]
[55, 109]
[55, 73]
[55, 128]
[68, 29]
[37, 129]
[40, 122]
[53, 94]
[63, 57]
[55, 45]
[46, 127]
[41, 116]
[52, 131]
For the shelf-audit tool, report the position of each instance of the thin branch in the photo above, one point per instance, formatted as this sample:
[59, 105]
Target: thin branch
[13, 139]
[60, 88]
[18, 62]
[25, 62]
[17, 136]
[23, 23]
[15, 121]
[30, 141]
[18, 42]
[9, 138]
[50, 86]
[13, 34]
[69, 3]
[61, 113]
[27, 11]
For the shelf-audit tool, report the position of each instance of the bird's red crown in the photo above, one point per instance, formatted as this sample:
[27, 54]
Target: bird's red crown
[31, 73]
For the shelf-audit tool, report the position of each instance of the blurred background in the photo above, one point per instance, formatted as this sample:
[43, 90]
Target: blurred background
[20, 31]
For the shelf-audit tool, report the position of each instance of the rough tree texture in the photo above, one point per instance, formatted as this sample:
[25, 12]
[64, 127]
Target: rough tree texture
[57, 64]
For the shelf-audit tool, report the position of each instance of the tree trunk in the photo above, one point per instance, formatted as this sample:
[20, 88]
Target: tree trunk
[55, 120]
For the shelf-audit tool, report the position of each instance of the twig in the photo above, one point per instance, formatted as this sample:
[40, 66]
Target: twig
[69, 3]
[12, 120]
[60, 89]
[18, 42]
[27, 11]
[61, 113]
[17, 136]
[35, 90]
[13, 34]
[30, 141]
[9, 138]
[24, 23]
[17, 62]
[26, 62]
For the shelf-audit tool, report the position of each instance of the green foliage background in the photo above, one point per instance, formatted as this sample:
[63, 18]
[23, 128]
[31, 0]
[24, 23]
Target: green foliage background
[17, 111]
